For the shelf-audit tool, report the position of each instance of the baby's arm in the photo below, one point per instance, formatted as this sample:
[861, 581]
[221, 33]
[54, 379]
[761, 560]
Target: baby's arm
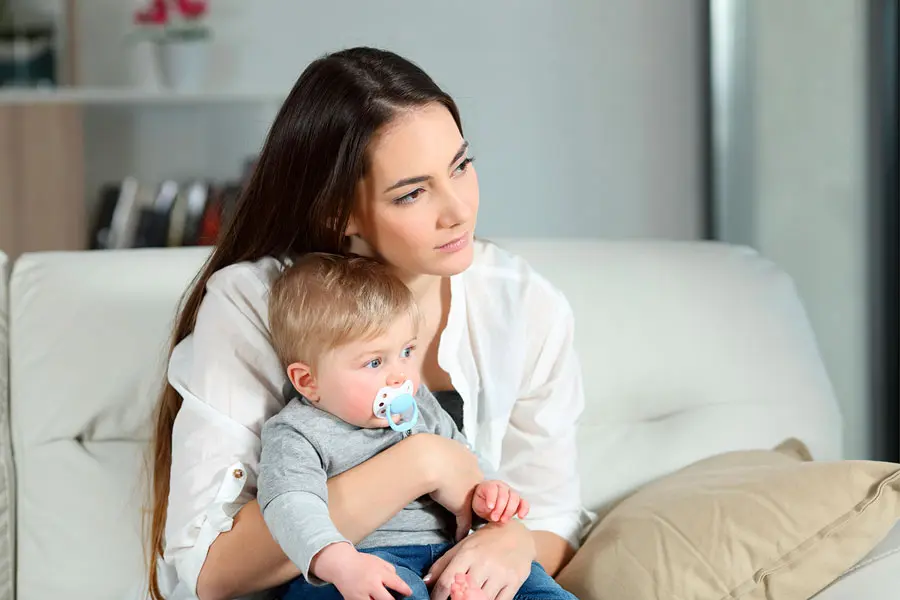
[293, 498]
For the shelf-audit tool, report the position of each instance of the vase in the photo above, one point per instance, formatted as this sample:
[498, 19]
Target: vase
[183, 64]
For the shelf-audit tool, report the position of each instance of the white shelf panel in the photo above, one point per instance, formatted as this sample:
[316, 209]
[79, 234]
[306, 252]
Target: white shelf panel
[133, 96]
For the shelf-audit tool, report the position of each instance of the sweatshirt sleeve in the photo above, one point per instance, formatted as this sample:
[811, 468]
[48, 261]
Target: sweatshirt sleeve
[293, 495]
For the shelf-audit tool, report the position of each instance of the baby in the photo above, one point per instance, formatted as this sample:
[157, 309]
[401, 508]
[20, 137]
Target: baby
[345, 331]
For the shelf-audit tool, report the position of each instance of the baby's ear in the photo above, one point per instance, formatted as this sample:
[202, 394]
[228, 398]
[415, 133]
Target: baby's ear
[303, 380]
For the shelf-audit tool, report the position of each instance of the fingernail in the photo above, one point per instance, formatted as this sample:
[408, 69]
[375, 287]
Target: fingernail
[491, 505]
[427, 578]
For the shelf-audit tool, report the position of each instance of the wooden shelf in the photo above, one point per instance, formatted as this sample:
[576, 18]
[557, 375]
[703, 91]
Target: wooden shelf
[131, 96]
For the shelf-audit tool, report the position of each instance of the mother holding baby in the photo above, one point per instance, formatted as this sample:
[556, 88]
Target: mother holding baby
[367, 156]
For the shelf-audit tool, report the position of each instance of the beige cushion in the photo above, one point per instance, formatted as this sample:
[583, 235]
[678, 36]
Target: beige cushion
[745, 525]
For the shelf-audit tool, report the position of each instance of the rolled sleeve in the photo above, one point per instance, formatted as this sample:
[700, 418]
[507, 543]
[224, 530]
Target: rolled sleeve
[213, 476]
[540, 441]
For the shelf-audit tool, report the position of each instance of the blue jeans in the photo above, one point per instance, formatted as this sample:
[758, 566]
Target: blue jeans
[412, 562]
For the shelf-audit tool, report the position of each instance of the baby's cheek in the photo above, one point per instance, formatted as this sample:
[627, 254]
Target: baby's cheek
[362, 407]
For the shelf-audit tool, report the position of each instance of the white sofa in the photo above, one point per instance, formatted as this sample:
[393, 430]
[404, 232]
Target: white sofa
[663, 332]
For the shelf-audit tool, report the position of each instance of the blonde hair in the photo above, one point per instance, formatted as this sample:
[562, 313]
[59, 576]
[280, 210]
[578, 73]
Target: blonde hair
[324, 301]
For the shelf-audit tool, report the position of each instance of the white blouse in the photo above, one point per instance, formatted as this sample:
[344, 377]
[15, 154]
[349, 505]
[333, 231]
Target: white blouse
[507, 347]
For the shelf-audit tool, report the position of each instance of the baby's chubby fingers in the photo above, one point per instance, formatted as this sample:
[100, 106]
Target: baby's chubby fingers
[512, 506]
[485, 498]
[524, 507]
[502, 500]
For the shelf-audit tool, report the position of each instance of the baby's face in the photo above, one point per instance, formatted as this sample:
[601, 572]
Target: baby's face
[349, 377]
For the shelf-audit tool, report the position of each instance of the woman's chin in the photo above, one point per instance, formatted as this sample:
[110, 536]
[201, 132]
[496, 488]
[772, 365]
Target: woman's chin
[448, 265]
[439, 264]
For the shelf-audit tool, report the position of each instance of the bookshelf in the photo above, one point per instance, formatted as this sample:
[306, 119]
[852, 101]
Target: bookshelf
[61, 149]
[109, 119]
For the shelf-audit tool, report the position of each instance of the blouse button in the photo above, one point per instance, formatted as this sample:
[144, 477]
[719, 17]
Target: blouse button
[238, 473]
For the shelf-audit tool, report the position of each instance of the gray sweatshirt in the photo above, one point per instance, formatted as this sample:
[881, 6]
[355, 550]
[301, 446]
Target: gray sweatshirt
[303, 446]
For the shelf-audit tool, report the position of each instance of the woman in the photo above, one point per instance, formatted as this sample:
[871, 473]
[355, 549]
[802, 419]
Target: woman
[367, 155]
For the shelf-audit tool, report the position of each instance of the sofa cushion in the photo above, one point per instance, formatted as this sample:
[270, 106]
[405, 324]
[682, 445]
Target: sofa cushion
[753, 525]
[7, 471]
[88, 337]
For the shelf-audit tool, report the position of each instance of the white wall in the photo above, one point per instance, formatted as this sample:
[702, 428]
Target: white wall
[583, 115]
[810, 179]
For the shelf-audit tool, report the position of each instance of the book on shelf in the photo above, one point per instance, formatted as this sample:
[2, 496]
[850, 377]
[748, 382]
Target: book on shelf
[170, 214]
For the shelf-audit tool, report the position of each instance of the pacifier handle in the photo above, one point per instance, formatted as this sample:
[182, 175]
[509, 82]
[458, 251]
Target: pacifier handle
[406, 401]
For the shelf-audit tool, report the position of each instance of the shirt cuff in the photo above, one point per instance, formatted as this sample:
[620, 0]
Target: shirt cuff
[218, 518]
[572, 527]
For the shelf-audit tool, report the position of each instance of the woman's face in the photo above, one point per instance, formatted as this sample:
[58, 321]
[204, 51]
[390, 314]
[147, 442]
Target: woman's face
[418, 203]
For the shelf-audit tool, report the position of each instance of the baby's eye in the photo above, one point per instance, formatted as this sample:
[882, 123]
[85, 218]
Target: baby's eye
[374, 363]
[407, 352]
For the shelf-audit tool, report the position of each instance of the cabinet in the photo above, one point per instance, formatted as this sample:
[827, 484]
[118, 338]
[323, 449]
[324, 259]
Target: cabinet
[41, 178]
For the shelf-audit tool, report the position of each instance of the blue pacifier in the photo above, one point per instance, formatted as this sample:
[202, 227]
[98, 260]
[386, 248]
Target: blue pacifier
[393, 402]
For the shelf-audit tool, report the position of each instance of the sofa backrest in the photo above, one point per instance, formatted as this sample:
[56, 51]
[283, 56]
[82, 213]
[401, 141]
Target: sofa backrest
[688, 350]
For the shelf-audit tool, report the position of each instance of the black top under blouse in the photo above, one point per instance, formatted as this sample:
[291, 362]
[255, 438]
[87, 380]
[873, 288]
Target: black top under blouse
[452, 403]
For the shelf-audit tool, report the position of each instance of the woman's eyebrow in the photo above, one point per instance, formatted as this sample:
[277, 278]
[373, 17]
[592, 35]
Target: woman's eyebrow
[422, 178]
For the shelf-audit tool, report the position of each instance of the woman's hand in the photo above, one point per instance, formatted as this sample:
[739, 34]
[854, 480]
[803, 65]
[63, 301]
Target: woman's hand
[497, 557]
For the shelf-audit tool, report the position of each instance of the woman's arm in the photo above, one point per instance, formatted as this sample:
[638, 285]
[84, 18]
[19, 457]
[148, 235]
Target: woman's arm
[553, 552]
[541, 435]
[247, 559]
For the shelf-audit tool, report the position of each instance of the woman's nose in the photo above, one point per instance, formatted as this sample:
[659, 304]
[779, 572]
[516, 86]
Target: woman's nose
[456, 211]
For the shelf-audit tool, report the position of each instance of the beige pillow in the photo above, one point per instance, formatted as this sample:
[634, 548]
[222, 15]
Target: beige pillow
[768, 525]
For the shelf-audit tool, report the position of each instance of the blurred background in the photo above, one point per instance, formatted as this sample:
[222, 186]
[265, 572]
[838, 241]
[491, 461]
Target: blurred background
[770, 123]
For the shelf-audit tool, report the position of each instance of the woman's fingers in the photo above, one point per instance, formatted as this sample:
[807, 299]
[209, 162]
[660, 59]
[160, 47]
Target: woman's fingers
[492, 588]
[479, 575]
[507, 593]
[440, 565]
[444, 582]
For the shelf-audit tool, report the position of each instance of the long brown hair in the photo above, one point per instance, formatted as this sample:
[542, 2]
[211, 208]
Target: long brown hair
[298, 199]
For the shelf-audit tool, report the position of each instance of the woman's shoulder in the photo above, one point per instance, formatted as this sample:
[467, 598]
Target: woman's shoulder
[247, 280]
[498, 270]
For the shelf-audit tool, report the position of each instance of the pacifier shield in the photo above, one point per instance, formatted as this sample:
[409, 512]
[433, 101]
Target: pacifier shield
[397, 401]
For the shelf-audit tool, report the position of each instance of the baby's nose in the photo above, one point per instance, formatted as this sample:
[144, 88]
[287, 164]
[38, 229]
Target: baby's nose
[395, 379]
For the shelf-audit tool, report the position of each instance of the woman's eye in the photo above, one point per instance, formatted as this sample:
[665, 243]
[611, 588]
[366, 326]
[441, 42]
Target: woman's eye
[464, 165]
[374, 363]
[410, 197]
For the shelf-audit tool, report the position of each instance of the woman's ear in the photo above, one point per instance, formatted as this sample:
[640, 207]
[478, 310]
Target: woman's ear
[352, 228]
[303, 380]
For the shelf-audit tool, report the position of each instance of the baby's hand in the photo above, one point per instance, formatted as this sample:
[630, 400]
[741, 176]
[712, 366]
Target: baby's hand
[497, 502]
[357, 575]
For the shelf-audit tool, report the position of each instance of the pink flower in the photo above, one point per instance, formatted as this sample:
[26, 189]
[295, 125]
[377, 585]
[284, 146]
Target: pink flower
[191, 9]
[157, 13]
